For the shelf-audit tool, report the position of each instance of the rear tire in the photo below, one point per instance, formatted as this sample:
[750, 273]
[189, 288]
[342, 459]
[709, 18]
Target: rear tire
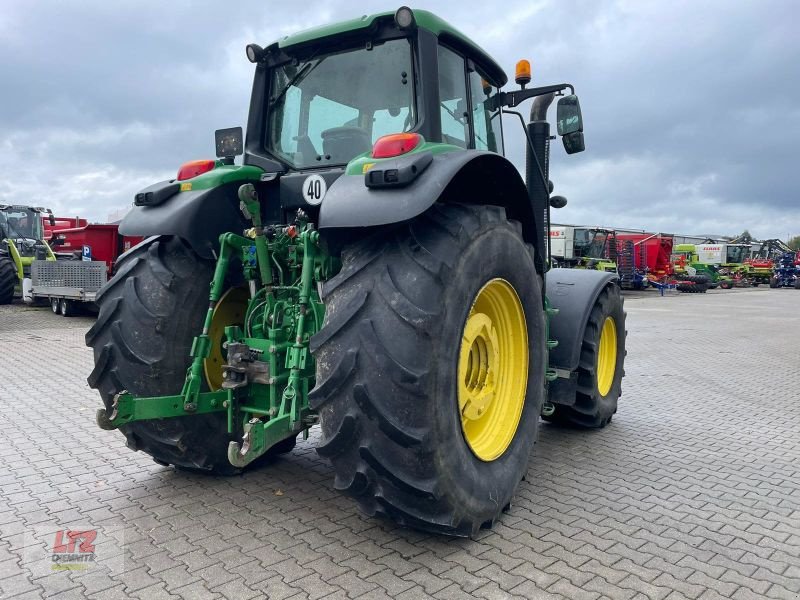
[8, 280]
[797, 283]
[55, 305]
[150, 312]
[387, 356]
[597, 396]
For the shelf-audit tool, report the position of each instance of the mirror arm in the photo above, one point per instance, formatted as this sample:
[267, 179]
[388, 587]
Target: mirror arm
[512, 99]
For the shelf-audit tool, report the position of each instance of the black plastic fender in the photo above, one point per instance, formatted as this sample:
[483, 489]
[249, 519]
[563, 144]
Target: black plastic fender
[573, 292]
[466, 176]
[199, 217]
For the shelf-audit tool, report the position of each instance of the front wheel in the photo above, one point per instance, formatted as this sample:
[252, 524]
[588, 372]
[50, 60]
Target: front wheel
[601, 367]
[430, 369]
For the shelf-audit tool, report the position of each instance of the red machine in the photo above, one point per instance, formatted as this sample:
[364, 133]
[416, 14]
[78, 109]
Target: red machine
[70, 234]
[61, 223]
[651, 252]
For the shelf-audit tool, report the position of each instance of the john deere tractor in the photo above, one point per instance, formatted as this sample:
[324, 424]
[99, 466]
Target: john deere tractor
[21, 242]
[375, 266]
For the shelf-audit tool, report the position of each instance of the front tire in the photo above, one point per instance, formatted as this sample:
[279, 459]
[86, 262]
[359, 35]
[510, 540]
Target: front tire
[389, 389]
[601, 367]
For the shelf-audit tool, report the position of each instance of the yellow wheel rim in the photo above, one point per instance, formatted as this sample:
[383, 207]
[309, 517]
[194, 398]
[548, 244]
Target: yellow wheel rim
[230, 310]
[493, 370]
[607, 356]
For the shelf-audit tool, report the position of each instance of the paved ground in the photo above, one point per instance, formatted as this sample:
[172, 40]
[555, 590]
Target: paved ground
[693, 491]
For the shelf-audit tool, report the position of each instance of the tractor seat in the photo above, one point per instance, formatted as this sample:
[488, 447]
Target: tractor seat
[343, 143]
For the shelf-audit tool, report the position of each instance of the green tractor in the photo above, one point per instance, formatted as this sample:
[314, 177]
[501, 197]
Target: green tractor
[691, 274]
[375, 266]
[21, 242]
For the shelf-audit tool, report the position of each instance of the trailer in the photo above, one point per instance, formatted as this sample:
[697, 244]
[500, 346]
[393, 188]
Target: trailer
[65, 284]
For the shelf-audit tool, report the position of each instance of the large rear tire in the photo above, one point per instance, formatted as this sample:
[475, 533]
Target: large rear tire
[394, 366]
[601, 367]
[150, 312]
[8, 280]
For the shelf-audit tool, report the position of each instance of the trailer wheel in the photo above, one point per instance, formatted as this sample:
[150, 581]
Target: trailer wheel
[601, 367]
[797, 283]
[66, 307]
[8, 280]
[773, 282]
[150, 312]
[55, 305]
[430, 369]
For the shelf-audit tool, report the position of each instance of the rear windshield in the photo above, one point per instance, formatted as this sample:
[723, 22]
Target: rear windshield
[331, 108]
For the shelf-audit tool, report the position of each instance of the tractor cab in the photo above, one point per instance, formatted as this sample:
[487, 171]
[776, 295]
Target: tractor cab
[593, 243]
[736, 254]
[321, 101]
[22, 232]
[21, 242]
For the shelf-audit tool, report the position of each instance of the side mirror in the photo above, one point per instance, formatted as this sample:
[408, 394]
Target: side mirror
[52, 218]
[569, 122]
[229, 142]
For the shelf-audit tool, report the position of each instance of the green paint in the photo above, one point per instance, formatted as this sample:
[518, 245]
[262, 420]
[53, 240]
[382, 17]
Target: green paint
[222, 174]
[265, 393]
[424, 20]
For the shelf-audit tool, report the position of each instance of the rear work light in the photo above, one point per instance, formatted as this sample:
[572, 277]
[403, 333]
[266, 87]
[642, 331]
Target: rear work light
[194, 168]
[396, 144]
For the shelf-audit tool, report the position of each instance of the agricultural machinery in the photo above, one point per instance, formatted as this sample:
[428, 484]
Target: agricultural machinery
[649, 262]
[787, 271]
[21, 243]
[729, 260]
[762, 262]
[375, 266]
[583, 248]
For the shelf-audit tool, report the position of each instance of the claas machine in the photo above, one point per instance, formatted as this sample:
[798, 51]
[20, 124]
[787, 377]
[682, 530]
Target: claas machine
[375, 266]
[21, 243]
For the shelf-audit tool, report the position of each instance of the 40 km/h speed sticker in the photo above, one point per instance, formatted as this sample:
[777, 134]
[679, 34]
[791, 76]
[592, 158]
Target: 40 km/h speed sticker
[314, 188]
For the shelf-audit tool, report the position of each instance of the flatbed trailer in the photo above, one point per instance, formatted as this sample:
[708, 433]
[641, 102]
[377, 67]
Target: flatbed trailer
[66, 284]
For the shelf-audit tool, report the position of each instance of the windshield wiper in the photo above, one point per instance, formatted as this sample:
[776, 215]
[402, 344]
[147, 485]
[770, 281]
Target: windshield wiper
[299, 76]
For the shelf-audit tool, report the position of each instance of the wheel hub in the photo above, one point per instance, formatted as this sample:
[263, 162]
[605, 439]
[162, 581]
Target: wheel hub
[493, 370]
[230, 310]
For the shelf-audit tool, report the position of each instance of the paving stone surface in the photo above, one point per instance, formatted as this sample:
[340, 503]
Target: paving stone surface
[692, 492]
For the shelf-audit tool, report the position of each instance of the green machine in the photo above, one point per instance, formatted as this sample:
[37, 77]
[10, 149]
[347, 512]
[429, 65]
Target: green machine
[375, 266]
[21, 242]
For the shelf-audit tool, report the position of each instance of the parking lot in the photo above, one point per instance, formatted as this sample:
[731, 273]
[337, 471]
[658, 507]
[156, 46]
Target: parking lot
[691, 492]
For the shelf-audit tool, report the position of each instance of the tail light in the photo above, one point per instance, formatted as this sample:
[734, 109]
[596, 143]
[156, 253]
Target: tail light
[194, 168]
[396, 144]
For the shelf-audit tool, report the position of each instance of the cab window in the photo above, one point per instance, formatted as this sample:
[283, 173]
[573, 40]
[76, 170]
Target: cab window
[486, 119]
[453, 98]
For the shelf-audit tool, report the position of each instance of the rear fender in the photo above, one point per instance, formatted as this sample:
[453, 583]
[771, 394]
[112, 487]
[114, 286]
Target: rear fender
[199, 217]
[465, 176]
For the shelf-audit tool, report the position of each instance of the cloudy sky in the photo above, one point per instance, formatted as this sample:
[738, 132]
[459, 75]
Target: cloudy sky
[692, 121]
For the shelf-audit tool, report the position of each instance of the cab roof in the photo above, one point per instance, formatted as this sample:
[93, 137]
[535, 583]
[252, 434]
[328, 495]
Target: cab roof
[424, 20]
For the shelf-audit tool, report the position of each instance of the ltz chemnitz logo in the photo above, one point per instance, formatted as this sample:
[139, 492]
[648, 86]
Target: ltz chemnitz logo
[73, 550]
